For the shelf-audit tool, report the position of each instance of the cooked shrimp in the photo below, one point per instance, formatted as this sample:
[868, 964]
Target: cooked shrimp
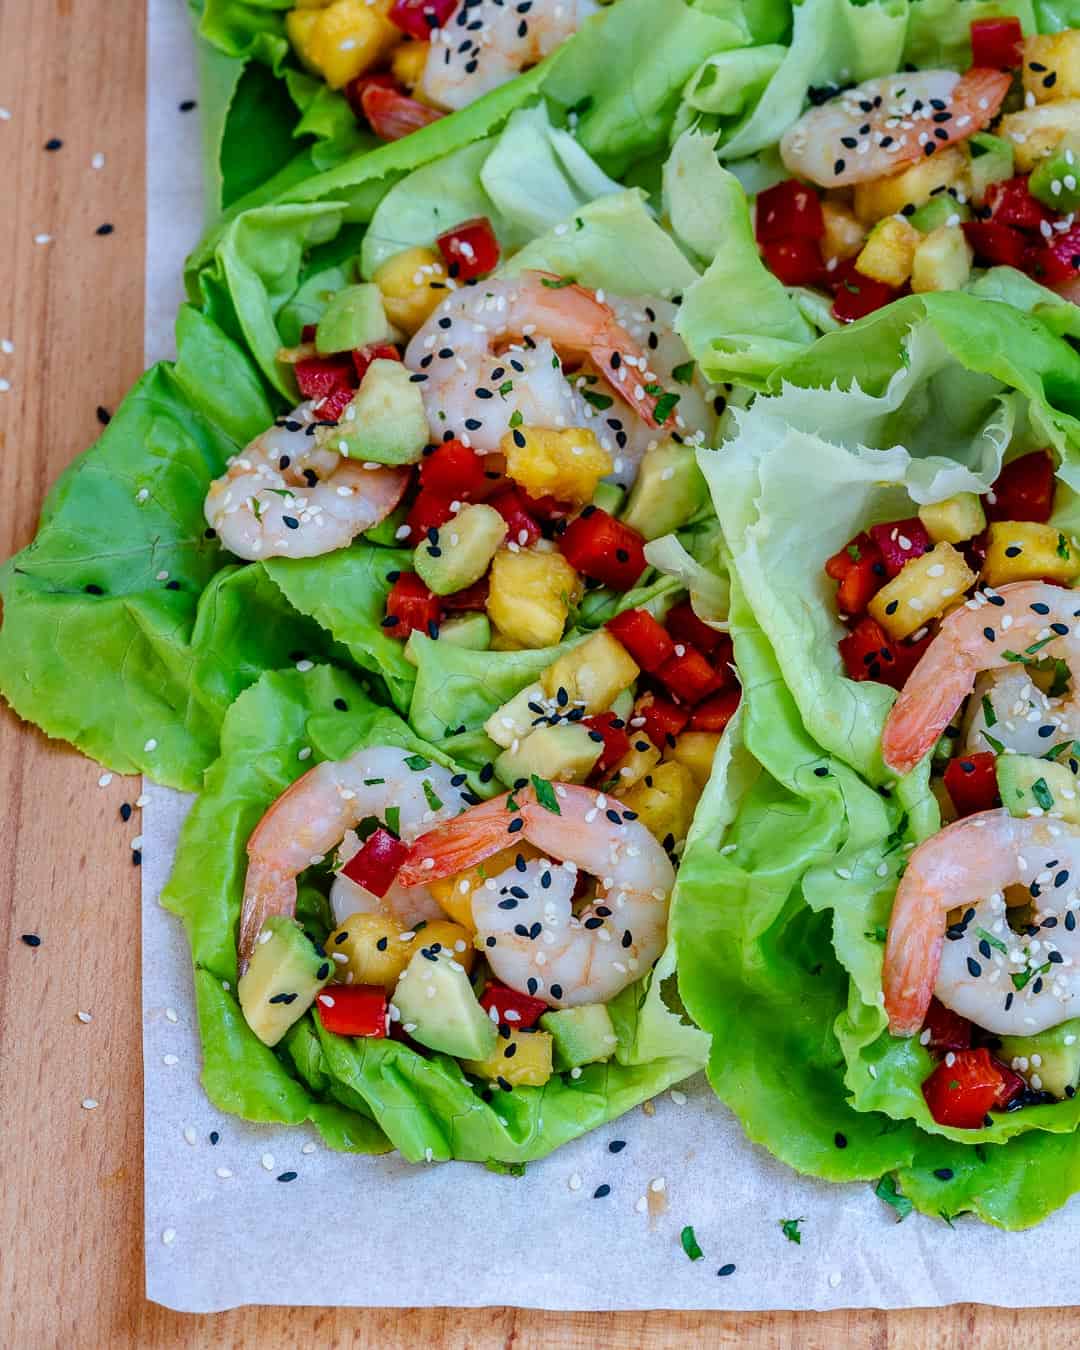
[485, 43]
[1005, 981]
[991, 631]
[533, 940]
[311, 817]
[284, 495]
[880, 126]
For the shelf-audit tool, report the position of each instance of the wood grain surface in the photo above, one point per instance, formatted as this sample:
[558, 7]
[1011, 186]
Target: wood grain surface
[71, 1198]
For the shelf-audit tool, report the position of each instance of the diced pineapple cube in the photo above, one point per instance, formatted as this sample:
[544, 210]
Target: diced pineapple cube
[455, 893]
[942, 261]
[1052, 66]
[372, 946]
[563, 463]
[889, 251]
[341, 40]
[664, 801]
[954, 520]
[1024, 550]
[923, 588]
[530, 595]
[640, 759]
[593, 673]
[407, 62]
[455, 938]
[844, 232]
[523, 1059]
[515, 718]
[911, 187]
[412, 283]
[1037, 132]
[501, 643]
[695, 750]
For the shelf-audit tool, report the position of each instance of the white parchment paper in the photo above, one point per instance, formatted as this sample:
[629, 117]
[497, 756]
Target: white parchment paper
[221, 1230]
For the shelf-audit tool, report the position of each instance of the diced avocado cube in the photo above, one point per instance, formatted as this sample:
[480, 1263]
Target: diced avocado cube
[940, 210]
[942, 261]
[1028, 784]
[668, 490]
[471, 631]
[991, 161]
[564, 754]
[385, 422]
[515, 719]
[582, 1035]
[1050, 1060]
[461, 551]
[354, 318]
[592, 674]
[956, 519]
[523, 1059]
[609, 497]
[284, 974]
[623, 704]
[386, 532]
[439, 1009]
[1053, 180]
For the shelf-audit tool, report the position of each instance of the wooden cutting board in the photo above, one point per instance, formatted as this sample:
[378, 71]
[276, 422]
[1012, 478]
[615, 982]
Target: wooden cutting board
[71, 301]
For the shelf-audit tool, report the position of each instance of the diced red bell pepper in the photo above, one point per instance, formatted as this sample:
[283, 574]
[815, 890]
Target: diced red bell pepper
[472, 597]
[689, 675]
[377, 861]
[796, 262]
[331, 407]
[855, 296]
[615, 736]
[899, 542]
[662, 719]
[392, 115]
[646, 640]
[604, 549]
[378, 351]
[353, 1009]
[906, 656]
[470, 249]
[995, 244]
[685, 626]
[789, 210]
[321, 376]
[997, 42]
[962, 1093]
[524, 1011]
[971, 782]
[1066, 249]
[1011, 203]
[307, 333]
[1045, 265]
[546, 508]
[948, 1030]
[429, 511]
[1023, 490]
[1012, 1084]
[419, 18]
[716, 712]
[354, 90]
[522, 528]
[413, 607]
[866, 651]
[453, 470]
[860, 570]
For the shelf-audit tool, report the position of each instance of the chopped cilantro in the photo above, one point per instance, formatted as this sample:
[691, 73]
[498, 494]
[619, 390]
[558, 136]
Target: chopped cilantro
[854, 552]
[664, 406]
[1021, 978]
[556, 283]
[599, 401]
[506, 387]
[545, 795]
[581, 107]
[433, 798]
[683, 374]
[511, 804]
[1040, 790]
[993, 941]
[417, 762]
[393, 819]
[1063, 548]
[790, 1229]
[690, 1244]
[993, 743]
[887, 1190]
[516, 418]
[989, 715]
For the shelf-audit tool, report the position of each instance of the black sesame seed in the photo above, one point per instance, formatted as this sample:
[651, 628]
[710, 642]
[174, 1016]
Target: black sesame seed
[286, 1176]
[556, 991]
[989, 635]
[53, 143]
[136, 857]
[104, 229]
[729, 1269]
[974, 968]
[601, 1192]
[943, 1173]
[31, 939]
[839, 167]
[214, 1137]
[840, 1140]
[91, 588]
[188, 105]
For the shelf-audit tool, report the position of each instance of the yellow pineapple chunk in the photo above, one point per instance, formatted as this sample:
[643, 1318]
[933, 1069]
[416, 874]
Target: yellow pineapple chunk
[664, 801]
[844, 232]
[372, 946]
[523, 1059]
[640, 759]
[455, 893]
[1052, 66]
[341, 40]
[1037, 132]
[954, 520]
[922, 590]
[1024, 550]
[407, 62]
[695, 750]
[889, 251]
[566, 464]
[530, 595]
[942, 261]
[911, 187]
[412, 283]
[594, 673]
[455, 938]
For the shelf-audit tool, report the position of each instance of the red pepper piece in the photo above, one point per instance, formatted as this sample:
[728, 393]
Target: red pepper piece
[906, 656]
[645, 639]
[512, 1008]
[453, 470]
[961, 1094]
[995, 245]
[470, 250]
[428, 512]
[321, 376]
[860, 570]
[1066, 249]
[790, 210]
[377, 861]
[1011, 203]
[971, 782]
[419, 18]
[662, 719]
[899, 542]
[855, 296]
[689, 676]
[331, 408]
[716, 712]
[379, 351]
[546, 508]
[866, 651]
[472, 597]
[997, 42]
[796, 262]
[1044, 265]
[1012, 1084]
[353, 1009]
[354, 91]
[604, 549]
[413, 606]
[392, 115]
[1024, 490]
[521, 527]
[615, 736]
[307, 333]
[685, 626]
[948, 1030]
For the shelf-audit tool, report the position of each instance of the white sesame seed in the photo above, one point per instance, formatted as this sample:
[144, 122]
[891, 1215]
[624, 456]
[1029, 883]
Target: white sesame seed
[5, 114]
[84, 1016]
[168, 1236]
[89, 1103]
[171, 1014]
[104, 780]
[97, 160]
[641, 1204]
[223, 1172]
[658, 1184]
[189, 1135]
[304, 752]
[575, 1182]
[267, 1161]
[170, 1060]
[5, 385]
[309, 1147]
[679, 1098]
[150, 745]
[835, 1278]
[43, 238]
[304, 666]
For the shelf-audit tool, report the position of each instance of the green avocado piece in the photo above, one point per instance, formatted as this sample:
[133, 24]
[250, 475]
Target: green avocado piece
[471, 631]
[581, 1035]
[385, 422]
[354, 318]
[562, 754]
[450, 1019]
[284, 974]
[609, 497]
[939, 210]
[462, 550]
[991, 161]
[668, 489]
[1050, 1060]
[515, 719]
[1027, 784]
[1054, 179]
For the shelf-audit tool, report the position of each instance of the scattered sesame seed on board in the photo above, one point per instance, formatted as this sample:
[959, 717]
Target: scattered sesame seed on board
[170, 1060]
[172, 1015]
[168, 1236]
[267, 1161]
[575, 1181]
[191, 1135]
[89, 1103]
[85, 1016]
[105, 780]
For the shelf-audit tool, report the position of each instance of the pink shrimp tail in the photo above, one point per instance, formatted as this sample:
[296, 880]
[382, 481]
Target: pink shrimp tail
[980, 92]
[912, 958]
[933, 692]
[460, 843]
[266, 892]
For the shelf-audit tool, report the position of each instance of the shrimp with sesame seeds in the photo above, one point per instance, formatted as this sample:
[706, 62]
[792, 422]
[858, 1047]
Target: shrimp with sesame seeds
[313, 815]
[994, 630]
[1006, 981]
[485, 43]
[882, 125]
[284, 495]
[533, 940]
